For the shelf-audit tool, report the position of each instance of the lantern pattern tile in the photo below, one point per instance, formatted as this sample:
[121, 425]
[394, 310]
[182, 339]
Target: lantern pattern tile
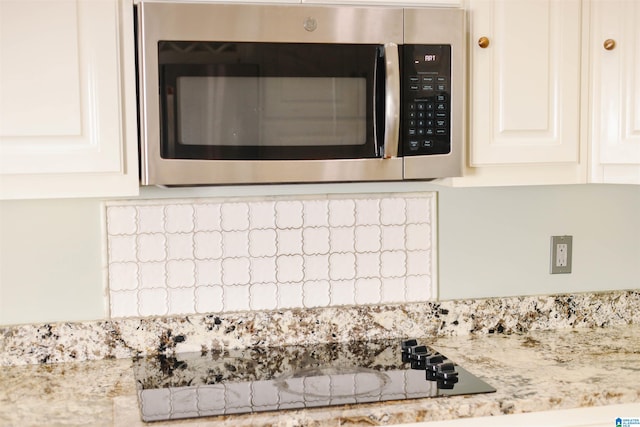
[222, 255]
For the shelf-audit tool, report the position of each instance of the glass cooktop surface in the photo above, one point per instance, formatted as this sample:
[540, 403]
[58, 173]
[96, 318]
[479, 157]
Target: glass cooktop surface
[260, 379]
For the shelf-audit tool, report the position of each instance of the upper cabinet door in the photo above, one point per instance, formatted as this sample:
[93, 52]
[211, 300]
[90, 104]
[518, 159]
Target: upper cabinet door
[67, 110]
[615, 88]
[524, 82]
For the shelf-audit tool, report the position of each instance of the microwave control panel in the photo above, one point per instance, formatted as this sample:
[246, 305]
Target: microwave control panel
[426, 93]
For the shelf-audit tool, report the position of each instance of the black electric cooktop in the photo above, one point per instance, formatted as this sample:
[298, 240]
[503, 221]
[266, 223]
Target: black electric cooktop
[293, 377]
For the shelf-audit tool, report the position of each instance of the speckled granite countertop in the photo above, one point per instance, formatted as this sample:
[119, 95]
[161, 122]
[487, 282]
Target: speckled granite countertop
[122, 338]
[533, 371]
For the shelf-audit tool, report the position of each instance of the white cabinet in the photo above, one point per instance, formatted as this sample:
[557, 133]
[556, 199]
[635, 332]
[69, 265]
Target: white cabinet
[548, 102]
[67, 103]
[615, 91]
[524, 92]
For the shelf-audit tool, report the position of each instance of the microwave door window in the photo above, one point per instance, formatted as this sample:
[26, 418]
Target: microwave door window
[313, 111]
[271, 112]
[217, 111]
[269, 101]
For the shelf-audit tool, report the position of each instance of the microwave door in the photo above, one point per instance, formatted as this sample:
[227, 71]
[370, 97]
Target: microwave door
[294, 112]
[269, 101]
[285, 105]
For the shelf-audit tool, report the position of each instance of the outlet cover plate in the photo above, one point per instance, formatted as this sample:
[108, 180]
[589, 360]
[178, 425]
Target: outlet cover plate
[561, 254]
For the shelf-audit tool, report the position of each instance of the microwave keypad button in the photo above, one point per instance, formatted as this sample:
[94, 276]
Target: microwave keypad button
[441, 87]
[428, 87]
[441, 79]
[414, 79]
[427, 79]
[427, 122]
[414, 87]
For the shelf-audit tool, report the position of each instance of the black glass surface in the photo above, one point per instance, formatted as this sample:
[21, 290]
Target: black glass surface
[426, 100]
[214, 105]
[292, 377]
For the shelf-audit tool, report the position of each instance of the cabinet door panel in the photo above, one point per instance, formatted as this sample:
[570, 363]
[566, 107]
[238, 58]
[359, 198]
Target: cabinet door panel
[40, 69]
[525, 86]
[63, 116]
[67, 110]
[615, 130]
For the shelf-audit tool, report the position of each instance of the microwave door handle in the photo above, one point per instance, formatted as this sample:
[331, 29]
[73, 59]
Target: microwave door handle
[391, 101]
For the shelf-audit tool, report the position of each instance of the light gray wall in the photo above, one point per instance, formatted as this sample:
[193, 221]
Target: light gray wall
[51, 261]
[492, 242]
[496, 241]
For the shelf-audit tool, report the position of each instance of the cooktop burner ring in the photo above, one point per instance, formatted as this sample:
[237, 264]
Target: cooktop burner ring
[373, 381]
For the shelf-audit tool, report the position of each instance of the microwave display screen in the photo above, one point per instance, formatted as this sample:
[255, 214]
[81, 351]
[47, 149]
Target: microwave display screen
[431, 57]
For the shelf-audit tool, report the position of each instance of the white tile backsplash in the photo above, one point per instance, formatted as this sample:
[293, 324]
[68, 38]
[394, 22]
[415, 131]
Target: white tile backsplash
[212, 256]
[235, 244]
[316, 267]
[207, 217]
[368, 264]
[342, 213]
[289, 214]
[208, 272]
[289, 268]
[152, 302]
[290, 295]
[179, 219]
[342, 266]
[235, 216]
[150, 220]
[208, 299]
[151, 247]
[122, 220]
[236, 271]
[343, 292]
[316, 213]
[368, 212]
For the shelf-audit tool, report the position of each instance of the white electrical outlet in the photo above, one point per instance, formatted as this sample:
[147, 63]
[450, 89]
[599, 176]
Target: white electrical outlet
[561, 255]
[561, 247]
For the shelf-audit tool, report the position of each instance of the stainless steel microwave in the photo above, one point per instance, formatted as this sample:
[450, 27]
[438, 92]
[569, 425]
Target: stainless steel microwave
[248, 93]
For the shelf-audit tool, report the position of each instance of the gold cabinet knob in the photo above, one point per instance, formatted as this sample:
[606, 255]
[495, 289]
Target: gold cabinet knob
[483, 42]
[609, 44]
